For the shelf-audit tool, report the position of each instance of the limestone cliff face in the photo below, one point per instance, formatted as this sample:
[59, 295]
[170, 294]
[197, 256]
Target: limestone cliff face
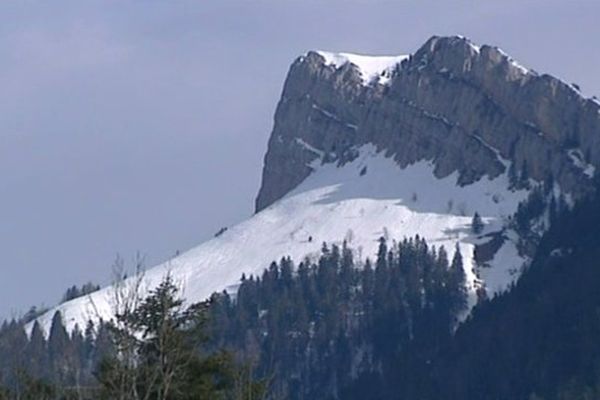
[464, 108]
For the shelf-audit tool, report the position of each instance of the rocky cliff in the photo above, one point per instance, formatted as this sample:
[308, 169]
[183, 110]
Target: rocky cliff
[463, 107]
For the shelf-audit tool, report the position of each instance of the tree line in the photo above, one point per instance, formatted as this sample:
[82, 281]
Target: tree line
[315, 328]
[302, 331]
[152, 350]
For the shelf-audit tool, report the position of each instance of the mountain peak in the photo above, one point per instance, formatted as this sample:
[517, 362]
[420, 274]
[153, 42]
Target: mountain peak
[456, 42]
[370, 67]
[464, 107]
[459, 54]
[455, 129]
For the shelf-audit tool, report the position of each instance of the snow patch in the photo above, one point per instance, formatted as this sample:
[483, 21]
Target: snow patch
[505, 268]
[558, 252]
[578, 160]
[310, 148]
[474, 47]
[494, 150]
[370, 67]
[333, 116]
[471, 44]
[518, 67]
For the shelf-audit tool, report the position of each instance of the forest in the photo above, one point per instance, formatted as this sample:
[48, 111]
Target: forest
[336, 327]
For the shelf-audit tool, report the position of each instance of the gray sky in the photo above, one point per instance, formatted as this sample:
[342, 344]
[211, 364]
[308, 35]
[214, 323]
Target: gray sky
[132, 126]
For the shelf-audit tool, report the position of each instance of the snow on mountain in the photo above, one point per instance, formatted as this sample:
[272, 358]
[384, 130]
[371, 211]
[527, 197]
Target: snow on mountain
[370, 67]
[578, 160]
[360, 202]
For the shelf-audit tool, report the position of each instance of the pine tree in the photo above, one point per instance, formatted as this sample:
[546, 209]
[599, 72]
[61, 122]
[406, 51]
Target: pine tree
[381, 254]
[167, 363]
[37, 352]
[161, 319]
[457, 281]
[59, 348]
[76, 356]
[477, 224]
[13, 345]
[287, 269]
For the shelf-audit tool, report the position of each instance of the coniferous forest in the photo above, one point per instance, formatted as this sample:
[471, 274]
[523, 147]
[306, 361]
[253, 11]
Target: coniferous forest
[294, 332]
[333, 327]
[314, 332]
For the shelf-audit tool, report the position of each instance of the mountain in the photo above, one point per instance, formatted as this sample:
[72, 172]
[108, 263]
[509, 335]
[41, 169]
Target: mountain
[461, 106]
[364, 147]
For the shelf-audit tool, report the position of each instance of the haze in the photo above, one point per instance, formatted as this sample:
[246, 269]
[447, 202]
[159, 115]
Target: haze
[140, 126]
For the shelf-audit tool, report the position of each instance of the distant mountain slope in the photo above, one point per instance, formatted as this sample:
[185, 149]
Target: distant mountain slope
[360, 202]
[396, 146]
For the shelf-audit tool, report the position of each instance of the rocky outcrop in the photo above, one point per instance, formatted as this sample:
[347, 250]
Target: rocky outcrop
[465, 108]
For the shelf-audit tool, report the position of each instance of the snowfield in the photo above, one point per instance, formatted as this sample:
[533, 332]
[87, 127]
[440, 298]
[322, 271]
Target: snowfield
[370, 67]
[359, 202]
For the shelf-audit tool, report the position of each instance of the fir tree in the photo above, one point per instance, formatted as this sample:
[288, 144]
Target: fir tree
[37, 352]
[477, 224]
[59, 349]
[457, 283]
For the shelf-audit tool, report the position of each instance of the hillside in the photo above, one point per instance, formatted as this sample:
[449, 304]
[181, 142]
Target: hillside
[364, 147]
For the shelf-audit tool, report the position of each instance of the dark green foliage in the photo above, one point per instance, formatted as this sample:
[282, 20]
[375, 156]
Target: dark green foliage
[314, 331]
[36, 389]
[537, 341]
[13, 357]
[530, 209]
[519, 178]
[74, 291]
[540, 340]
[58, 349]
[37, 352]
[166, 360]
[308, 330]
[457, 281]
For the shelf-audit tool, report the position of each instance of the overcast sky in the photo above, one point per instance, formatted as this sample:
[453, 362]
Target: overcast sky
[131, 126]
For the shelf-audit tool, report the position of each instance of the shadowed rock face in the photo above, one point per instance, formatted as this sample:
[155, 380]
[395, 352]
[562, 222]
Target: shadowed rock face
[460, 106]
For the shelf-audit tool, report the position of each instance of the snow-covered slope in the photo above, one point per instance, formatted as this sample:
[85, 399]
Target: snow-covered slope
[370, 67]
[360, 202]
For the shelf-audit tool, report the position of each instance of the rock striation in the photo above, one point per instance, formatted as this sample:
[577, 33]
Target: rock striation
[465, 108]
